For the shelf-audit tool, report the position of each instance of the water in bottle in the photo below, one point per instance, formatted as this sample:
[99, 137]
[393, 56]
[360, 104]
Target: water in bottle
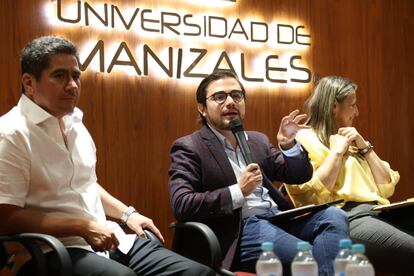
[268, 263]
[343, 257]
[304, 264]
[359, 264]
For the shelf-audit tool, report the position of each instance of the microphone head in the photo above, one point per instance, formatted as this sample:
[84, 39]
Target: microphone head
[236, 125]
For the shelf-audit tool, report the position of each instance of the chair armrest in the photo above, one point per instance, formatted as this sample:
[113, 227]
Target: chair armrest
[207, 234]
[150, 235]
[198, 233]
[29, 241]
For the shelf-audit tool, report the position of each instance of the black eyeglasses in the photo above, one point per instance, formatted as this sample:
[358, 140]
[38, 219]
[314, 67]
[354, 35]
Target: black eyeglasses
[221, 96]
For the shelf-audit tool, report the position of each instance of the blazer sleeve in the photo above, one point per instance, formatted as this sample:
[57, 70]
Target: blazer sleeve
[190, 198]
[290, 170]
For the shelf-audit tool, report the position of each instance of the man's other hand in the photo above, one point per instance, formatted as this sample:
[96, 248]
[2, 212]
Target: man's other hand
[100, 238]
[250, 179]
[137, 222]
[289, 126]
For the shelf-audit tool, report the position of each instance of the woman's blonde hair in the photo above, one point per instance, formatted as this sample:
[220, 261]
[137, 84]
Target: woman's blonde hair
[320, 104]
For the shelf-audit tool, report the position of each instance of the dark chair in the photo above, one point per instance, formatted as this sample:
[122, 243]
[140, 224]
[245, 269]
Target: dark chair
[197, 241]
[30, 242]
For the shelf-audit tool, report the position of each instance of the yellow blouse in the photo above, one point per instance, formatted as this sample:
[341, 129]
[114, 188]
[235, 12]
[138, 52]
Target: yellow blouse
[355, 181]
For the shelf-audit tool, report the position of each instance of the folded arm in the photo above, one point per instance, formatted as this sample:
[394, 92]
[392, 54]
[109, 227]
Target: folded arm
[379, 170]
[289, 169]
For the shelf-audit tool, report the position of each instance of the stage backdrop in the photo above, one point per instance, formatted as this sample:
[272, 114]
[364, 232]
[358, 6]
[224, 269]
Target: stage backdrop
[143, 60]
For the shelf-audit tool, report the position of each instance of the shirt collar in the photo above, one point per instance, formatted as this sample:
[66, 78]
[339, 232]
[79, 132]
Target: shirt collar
[37, 115]
[223, 140]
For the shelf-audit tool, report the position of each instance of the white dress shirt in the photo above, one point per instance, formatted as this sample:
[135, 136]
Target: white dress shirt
[38, 171]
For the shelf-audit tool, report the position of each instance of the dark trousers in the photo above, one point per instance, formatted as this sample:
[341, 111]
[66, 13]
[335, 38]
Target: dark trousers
[388, 236]
[145, 258]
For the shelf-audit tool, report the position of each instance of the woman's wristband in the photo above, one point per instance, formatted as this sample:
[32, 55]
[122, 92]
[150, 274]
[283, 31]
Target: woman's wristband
[365, 150]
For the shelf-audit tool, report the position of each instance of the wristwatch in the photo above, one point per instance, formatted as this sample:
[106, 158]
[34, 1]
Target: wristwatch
[367, 148]
[129, 211]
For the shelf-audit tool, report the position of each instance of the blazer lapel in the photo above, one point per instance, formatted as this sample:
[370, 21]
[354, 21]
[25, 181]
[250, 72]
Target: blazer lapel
[216, 148]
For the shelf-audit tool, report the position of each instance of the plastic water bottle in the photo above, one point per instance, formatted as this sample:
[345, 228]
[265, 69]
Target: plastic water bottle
[304, 264]
[359, 264]
[343, 257]
[268, 263]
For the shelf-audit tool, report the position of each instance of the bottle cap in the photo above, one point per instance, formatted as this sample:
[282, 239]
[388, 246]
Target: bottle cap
[303, 245]
[345, 243]
[266, 246]
[358, 248]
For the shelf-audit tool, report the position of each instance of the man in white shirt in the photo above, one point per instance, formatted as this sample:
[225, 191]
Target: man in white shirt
[48, 182]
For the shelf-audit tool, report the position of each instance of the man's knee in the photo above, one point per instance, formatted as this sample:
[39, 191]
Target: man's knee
[336, 217]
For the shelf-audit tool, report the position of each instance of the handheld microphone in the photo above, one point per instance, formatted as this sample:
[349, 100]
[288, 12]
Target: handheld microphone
[237, 129]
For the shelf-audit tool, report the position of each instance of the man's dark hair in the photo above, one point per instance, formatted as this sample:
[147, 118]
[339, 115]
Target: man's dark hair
[35, 57]
[216, 75]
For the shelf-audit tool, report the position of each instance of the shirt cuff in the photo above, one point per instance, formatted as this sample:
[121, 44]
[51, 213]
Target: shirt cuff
[294, 151]
[236, 196]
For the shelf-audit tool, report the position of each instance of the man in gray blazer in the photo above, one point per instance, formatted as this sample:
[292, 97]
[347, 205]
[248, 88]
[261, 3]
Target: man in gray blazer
[211, 182]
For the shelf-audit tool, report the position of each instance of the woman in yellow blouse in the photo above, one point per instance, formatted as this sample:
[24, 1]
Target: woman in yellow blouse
[347, 167]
